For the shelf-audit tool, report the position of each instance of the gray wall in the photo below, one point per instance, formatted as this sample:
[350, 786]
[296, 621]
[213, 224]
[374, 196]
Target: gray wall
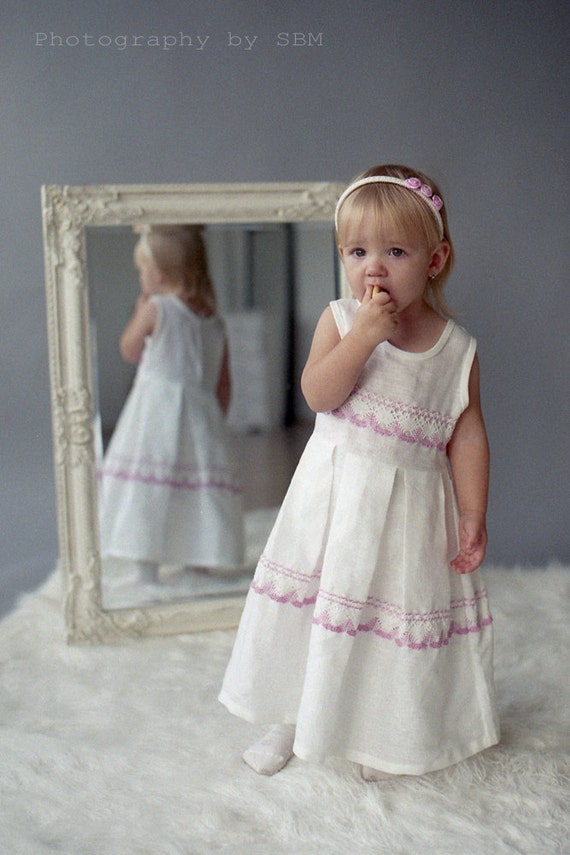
[475, 92]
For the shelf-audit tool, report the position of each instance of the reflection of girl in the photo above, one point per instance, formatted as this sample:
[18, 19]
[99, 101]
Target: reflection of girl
[169, 492]
[367, 633]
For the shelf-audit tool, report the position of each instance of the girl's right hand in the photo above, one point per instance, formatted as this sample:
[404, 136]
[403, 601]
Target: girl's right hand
[377, 318]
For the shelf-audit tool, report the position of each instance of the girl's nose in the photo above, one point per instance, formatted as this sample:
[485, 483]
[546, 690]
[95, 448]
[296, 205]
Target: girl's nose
[376, 266]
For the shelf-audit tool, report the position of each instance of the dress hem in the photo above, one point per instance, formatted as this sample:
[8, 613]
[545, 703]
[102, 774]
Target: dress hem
[452, 759]
[476, 746]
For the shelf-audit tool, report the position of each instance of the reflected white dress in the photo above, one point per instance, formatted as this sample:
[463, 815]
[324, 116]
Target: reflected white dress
[355, 627]
[169, 489]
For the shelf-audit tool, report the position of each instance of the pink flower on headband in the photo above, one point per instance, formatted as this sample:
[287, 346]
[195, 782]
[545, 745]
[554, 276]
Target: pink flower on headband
[426, 191]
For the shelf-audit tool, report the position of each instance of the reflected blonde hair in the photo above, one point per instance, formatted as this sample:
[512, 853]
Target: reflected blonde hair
[179, 253]
[406, 211]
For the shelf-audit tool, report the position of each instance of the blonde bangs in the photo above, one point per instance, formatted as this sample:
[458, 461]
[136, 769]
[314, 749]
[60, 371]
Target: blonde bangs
[387, 206]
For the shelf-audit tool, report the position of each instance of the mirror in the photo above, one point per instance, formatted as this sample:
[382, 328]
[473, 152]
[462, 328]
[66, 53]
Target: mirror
[266, 246]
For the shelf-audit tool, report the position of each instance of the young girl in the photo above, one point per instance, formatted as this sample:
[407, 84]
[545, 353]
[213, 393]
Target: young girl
[367, 633]
[169, 492]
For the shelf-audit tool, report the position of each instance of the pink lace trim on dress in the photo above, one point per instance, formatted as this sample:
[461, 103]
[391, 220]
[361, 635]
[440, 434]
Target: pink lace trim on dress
[284, 585]
[406, 422]
[163, 474]
[415, 630]
[342, 615]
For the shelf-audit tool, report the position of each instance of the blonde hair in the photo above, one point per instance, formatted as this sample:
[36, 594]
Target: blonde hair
[406, 211]
[179, 253]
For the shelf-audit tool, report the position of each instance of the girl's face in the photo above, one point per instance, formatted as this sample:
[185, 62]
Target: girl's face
[378, 254]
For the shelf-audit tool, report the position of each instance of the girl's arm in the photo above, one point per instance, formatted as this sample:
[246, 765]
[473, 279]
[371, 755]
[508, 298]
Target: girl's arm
[468, 452]
[224, 388]
[141, 324]
[335, 364]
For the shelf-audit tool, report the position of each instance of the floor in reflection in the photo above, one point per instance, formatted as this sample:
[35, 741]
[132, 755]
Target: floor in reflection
[122, 587]
[268, 461]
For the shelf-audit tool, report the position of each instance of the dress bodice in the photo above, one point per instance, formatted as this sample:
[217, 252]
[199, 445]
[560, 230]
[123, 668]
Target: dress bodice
[184, 347]
[405, 405]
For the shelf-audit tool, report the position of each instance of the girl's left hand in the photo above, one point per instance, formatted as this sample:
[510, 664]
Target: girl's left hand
[472, 542]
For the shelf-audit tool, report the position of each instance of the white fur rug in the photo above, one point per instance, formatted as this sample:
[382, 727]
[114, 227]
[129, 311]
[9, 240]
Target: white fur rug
[125, 750]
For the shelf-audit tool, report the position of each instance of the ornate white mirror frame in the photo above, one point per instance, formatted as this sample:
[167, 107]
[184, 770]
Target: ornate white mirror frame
[67, 212]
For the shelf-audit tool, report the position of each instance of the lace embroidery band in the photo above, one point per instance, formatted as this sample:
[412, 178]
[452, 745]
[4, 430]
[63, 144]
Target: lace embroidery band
[405, 422]
[339, 614]
[163, 474]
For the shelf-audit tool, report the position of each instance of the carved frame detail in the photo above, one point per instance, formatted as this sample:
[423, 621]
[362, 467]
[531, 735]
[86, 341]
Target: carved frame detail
[67, 211]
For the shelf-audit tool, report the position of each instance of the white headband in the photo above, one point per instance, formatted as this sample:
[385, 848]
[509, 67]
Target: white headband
[424, 191]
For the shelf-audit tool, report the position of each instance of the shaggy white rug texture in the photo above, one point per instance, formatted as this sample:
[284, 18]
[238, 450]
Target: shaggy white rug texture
[125, 750]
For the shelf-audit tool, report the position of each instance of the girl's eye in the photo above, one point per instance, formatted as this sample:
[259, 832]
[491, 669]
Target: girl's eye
[396, 252]
[359, 252]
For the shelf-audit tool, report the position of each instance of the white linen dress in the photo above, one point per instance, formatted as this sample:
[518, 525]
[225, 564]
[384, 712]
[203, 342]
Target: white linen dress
[355, 627]
[169, 490]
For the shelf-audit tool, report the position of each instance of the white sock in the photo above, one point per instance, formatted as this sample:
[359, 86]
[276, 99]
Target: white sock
[273, 752]
[370, 774]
